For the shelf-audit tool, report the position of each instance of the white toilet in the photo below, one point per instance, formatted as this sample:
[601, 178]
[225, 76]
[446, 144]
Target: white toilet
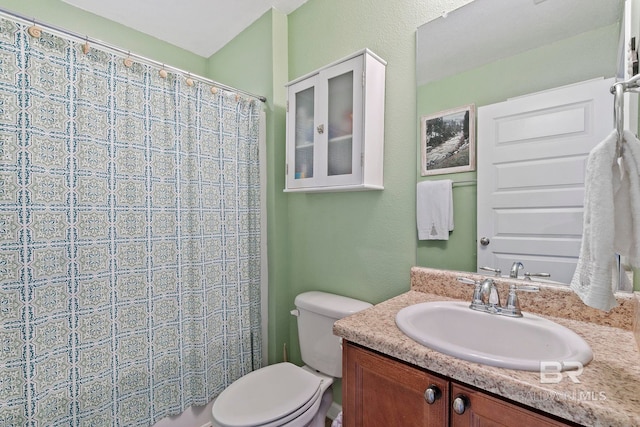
[285, 394]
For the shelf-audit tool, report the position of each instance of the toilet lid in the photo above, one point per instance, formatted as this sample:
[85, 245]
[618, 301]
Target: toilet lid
[265, 395]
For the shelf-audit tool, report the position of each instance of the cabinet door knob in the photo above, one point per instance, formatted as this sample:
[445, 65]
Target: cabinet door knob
[460, 404]
[432, 394]
[320, 129]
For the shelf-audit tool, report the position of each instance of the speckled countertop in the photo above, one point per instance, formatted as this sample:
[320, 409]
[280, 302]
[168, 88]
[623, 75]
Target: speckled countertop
[609, 390]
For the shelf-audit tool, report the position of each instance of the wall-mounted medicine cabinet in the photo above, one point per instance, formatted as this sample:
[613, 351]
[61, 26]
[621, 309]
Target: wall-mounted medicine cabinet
[335, 126]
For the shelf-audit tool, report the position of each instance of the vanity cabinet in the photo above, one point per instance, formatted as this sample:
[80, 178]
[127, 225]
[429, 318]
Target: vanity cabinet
[381, 391]
[335, 126]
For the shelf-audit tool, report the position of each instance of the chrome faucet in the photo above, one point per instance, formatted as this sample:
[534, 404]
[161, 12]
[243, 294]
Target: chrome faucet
[487, 299]
[489, 294]
[515, 267]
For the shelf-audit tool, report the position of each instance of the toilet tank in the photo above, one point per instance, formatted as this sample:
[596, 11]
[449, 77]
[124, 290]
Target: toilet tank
[317, 312]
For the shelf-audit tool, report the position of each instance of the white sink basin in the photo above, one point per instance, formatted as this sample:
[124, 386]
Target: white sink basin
[515, 343]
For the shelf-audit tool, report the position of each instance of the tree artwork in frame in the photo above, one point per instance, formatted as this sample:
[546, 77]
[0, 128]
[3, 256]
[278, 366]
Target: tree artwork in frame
[448, 141]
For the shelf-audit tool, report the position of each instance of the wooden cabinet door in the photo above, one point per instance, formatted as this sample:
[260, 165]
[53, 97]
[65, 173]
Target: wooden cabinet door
[484, 410]
[379, 391]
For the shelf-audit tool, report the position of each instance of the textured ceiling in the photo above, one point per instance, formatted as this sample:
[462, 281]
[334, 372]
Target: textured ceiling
[199, 26]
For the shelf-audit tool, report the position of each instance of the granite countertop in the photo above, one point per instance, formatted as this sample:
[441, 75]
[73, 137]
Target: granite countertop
[609, 390]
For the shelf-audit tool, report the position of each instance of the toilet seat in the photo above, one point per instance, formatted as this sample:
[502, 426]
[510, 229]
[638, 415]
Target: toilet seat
[268, 397]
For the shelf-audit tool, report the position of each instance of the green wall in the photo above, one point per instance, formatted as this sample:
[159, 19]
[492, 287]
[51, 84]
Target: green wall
[362, 244]
[359, 244]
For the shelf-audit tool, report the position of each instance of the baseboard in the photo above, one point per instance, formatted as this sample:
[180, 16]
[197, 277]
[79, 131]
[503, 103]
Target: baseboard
[333, 411]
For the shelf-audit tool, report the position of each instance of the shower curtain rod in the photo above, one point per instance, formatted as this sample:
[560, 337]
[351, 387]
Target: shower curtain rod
[140, 58]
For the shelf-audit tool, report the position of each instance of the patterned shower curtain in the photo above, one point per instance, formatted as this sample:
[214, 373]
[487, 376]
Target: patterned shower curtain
[129, 237]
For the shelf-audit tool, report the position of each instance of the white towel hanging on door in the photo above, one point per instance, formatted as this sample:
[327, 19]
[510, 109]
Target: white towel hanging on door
[434, 209]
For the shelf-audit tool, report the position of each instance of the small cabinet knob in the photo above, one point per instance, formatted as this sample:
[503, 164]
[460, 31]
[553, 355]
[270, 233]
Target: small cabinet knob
[320, 129]
[484, 241]
[432, 394]
[460, 404]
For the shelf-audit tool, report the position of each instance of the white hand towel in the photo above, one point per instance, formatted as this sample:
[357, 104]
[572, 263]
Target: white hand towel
[434, 209]
[611, 220]
[626, 201]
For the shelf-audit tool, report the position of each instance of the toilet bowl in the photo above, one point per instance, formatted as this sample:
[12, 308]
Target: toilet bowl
[277, 395]
[283, 394]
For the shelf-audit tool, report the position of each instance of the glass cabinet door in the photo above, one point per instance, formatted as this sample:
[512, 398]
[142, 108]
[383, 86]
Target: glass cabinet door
[304, 133]
[343, 115]
[340, 124]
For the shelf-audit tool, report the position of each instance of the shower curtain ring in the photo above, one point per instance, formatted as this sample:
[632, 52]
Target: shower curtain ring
[85, 46]
[128, 62]
[34, 30]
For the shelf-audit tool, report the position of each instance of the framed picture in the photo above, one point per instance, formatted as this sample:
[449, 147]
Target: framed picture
[448, 141]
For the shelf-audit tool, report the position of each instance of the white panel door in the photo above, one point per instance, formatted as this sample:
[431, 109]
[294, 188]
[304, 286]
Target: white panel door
[532, 153]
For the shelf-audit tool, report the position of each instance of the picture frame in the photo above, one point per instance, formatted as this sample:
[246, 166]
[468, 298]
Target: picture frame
[448, 141]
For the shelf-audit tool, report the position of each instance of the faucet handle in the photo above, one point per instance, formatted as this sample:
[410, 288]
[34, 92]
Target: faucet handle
[497, 271]
[524, 288]
[528, 276]
[512, 308]
[477, 292]
[468, 281]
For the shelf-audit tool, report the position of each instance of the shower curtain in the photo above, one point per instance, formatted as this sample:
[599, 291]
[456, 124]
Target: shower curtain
[129, 237]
